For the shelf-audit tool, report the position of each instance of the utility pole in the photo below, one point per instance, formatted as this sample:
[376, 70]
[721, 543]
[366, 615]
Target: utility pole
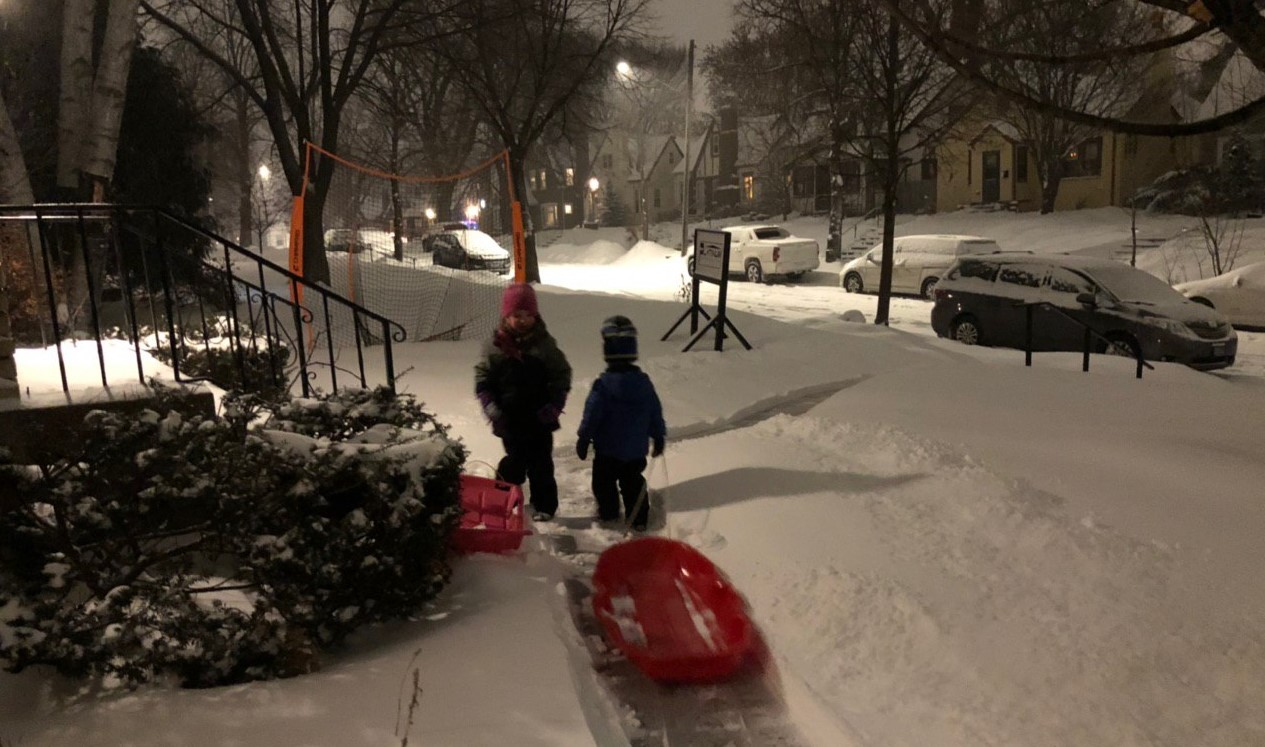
[687, 176]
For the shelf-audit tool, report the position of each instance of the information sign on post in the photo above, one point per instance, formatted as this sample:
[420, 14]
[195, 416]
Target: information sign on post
[711, 265]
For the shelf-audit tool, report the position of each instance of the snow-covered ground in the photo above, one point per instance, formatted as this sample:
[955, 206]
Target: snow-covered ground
[939, 545]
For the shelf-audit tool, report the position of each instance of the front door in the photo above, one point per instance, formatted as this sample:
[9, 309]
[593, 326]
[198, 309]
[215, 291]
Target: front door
[991, 174]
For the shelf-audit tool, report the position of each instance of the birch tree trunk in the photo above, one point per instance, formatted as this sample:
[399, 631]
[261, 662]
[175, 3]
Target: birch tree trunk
[15, 180]
[110, 88]
[15, 187]
[75, 100]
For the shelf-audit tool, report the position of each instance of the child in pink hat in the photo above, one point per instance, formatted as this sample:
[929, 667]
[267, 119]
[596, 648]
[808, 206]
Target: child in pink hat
[522, 382]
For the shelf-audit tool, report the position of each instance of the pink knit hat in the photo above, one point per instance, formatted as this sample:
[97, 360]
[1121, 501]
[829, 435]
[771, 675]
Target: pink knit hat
[519, 297]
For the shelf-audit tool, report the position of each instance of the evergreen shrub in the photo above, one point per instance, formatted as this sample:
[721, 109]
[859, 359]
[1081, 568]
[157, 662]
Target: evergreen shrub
[215, 551]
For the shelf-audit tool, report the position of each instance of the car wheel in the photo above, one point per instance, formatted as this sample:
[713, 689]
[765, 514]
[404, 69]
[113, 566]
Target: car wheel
[1120, 344]
[929, 286]
[754, 273]
[852, 283]
[1204, 301]
[965, 330]
[689, 266]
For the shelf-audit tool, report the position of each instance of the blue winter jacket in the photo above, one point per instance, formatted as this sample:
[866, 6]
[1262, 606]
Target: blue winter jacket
[622, 414]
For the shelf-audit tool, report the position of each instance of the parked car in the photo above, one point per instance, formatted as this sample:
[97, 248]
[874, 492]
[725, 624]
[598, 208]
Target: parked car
[759, 252]
[355, 241]
[467, 249]
[982, 300]
[1238, 294]
[918, 262]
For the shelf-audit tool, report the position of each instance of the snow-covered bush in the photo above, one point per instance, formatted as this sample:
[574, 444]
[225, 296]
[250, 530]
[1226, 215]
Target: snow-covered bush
[254, 363]
[224, 550]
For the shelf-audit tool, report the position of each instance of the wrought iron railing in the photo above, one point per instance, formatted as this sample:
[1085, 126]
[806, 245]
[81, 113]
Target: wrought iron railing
[1090, 334]
[207, 307]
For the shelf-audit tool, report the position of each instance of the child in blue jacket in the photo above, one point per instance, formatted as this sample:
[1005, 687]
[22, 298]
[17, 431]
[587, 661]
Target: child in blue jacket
[622, 418]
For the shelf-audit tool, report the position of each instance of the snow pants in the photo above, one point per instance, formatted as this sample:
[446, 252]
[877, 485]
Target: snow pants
[529, 458]
[616, 478]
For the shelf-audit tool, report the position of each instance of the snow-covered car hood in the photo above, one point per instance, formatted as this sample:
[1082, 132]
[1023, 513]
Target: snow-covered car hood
[479, 245]
[1187, 312]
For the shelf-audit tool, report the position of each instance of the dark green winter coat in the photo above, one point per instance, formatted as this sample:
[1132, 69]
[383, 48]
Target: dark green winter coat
[526, 378]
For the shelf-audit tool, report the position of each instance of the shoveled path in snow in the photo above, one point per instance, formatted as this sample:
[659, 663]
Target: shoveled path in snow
[744, 711]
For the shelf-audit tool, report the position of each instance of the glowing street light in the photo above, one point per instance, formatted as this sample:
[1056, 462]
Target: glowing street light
[594, 184]
[472, 211]
[265, 173]
[430, 214]
[623, 68]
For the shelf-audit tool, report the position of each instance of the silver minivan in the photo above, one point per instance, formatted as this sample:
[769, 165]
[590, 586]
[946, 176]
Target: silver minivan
[918, 262]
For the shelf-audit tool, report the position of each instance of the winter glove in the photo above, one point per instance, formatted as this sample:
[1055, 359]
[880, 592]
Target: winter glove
[657, 449]
[493, 413]
[582, 450]
[549, 415]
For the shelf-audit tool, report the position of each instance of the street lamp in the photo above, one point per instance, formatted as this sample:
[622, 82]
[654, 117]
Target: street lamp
[265, 173]
[591, 201]
[624, 69]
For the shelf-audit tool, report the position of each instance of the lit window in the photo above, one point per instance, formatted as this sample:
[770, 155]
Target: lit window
[567, 207]
[748, 186]
[570, 176]
[542, 179]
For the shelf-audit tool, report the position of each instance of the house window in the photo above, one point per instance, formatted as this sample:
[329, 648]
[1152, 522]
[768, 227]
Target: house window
[607, 160]
[850, 176]
[657, 201]
[803, 182]
[567, 207]
[748, 186]
[570, 176]
[1084, 159]
[928, 169]
[532, 179]
[1021, 163]
[715, 147]
[542, 180]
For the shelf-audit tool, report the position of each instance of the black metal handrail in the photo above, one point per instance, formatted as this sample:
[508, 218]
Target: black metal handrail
[1090, 333]
[207, 287]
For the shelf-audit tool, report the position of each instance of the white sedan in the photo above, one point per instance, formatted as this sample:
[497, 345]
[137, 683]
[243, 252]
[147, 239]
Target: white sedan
[1238, 294]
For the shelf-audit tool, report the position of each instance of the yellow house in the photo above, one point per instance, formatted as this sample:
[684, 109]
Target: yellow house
[992, 165]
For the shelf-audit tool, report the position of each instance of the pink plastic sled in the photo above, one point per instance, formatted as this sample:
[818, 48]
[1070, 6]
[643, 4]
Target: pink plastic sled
[673, 614]
[493, 516]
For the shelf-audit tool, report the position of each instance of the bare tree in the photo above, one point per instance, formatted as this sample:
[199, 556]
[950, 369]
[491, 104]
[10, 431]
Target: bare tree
[311, 57]
[411, 118]
[1175, 24]
[887, 97]
[91, 105]
[646, 110]
[1101, 88]
[548, 53]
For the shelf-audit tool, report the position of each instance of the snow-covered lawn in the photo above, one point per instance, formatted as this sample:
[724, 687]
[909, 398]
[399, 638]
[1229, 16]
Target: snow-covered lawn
[940, 545]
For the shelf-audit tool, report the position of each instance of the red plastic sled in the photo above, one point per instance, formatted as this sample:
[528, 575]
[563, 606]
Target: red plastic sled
[673, 614]
[493, 516]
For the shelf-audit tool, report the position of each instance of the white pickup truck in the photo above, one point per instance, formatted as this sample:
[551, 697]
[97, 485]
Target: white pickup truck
[762, 251]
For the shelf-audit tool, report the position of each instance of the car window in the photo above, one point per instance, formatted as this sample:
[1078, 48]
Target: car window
[1028, 276]
[771, 233]
[972, 268]
[1063, 280]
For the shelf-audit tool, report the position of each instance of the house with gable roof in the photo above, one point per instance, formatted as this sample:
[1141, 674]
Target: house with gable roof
[991, 164]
